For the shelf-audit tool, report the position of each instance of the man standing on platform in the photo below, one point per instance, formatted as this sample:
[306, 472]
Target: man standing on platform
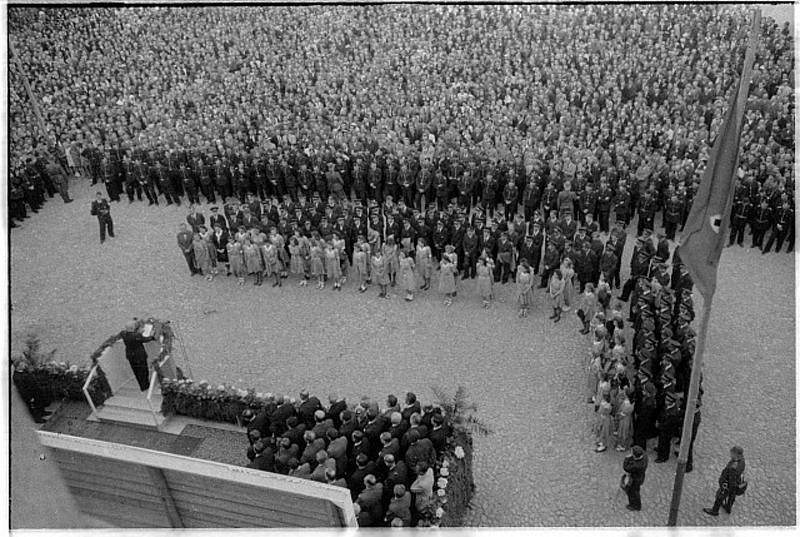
[102, 210]
[136, 355]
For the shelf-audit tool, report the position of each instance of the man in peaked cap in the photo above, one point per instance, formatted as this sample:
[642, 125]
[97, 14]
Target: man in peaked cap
[635, 466]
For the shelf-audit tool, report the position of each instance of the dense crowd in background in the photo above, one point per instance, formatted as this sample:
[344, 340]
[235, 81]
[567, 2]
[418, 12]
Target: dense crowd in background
[483, 106]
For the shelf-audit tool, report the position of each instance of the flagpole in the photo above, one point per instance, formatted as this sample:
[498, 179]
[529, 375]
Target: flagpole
[697, 364]
[688, 419]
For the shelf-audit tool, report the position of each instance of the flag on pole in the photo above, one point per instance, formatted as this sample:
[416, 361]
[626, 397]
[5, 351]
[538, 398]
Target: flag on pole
[707, 224]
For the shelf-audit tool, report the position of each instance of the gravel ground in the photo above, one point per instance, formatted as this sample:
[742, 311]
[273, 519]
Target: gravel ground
[538, 468]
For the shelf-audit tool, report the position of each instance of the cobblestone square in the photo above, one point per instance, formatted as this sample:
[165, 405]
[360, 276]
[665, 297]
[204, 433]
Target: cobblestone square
[526, 375]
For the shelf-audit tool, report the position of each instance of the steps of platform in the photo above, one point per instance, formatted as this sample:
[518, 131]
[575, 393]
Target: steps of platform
[134, 402]
[130, 415]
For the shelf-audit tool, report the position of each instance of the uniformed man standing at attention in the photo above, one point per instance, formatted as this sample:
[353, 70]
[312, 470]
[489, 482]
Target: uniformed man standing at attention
[102, 210]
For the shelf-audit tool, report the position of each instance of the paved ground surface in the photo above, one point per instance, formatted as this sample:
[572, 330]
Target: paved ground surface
[525, 374]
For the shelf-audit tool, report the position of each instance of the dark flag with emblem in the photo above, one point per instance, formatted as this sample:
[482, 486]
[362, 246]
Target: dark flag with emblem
[707, 223]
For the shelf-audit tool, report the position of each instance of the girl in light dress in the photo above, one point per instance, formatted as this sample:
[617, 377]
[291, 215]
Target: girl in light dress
[603, 433]
[272, 265]
[202, 259]
[207, 236]
[625, 418]
[407, 279]
[603, 294]
[333, 268]
[485, 273]
[304, 253]
[280, 247]
[390, 257]
[241, 234]
[296, 264]
[252, 261]
[316, 263]
[360, 261]
[447, 278]
[568, 274]
[236, 259]
[424, 263]
[587, 306]
[524, 287]
[340, 246]
[378, 272]
[556, 291]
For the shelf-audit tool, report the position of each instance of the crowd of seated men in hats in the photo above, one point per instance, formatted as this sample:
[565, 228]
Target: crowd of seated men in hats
[622, 103]
[384, 456]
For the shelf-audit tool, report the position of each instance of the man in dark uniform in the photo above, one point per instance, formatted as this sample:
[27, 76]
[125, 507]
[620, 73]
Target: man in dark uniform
[530, 198]
[164, 183]
[198, 176]
[102, 211]
[643, 254]
[511, 196]
[465, 185]
[146, 180]
[603, 207]
[729, 481]
[762, 217]
[538, 242]
[108, 175]
[505, 254]
[549, 198]
[587, 201]
[470, 246]
[635, 465]
[672, 216]
[740, 215]
[552, 260]
[619, 237]
[441, 237]
[669, 426]
[647, 211]
[136, 354]
[780, 227]
[622, 203]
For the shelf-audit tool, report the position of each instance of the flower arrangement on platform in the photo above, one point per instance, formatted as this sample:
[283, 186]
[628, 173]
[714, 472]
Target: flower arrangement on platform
[203, 401]
[51, 380]
[454, 483]
[162, 332]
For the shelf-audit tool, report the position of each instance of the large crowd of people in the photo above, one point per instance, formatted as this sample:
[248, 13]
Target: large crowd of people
[384, 454]
[382, 144]
[613, 112]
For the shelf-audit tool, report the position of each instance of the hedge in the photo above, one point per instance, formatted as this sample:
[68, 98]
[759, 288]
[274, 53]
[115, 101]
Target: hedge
[54, 381]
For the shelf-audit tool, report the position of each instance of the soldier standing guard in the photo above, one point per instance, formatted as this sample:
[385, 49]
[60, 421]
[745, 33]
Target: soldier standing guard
[102, 210]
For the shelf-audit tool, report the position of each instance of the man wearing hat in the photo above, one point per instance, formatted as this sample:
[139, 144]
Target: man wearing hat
[647, 211]
[635, 466]
[440, 237]
[530, 197]
[622, 203]
[729, 483]
[505, 258]
[471, 250]
[603, 207]
[642, 256]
